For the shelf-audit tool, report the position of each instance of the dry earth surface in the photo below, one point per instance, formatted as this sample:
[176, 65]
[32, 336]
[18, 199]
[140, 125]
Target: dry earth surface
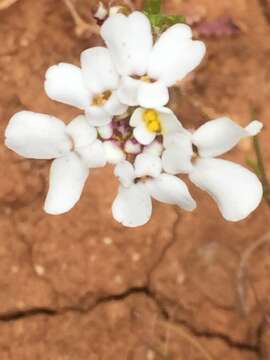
[80, 286]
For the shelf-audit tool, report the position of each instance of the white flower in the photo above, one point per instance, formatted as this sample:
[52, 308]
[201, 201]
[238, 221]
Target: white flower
[91, 88]
[148, 69]
[114, 153]
[148, 123]
[133, 206]
[236, 190]
[74, 147]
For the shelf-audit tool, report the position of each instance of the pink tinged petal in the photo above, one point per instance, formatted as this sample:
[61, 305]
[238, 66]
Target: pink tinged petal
[93, 155]
[153, 95]
[171, 190]
[236, 190]
[67, 178]
[175, 54]
[129, 40]
[98, 71]
[64, 83]
[128, 91]
[81, 132]
[155, 148]
[170, 123]
[113, 106]
[147, 165]
[114, 154]
[218, 136]
[97, 116]
[132, 206]
[143, 136]
[132, 148]
[37, 136]
[124, 170]
[105, 132]
[176, 159]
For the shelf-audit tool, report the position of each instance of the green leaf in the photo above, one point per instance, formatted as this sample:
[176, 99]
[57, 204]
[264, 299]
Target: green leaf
[163, 21]
[152, 7]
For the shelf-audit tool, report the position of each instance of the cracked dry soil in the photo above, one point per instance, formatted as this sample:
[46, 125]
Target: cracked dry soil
[79, 286]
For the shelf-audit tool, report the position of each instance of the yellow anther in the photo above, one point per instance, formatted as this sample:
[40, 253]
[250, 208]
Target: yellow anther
[100, 99]
[145, 78]
[152, 120]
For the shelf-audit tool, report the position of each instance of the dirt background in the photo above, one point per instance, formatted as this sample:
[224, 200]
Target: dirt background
[80, 286]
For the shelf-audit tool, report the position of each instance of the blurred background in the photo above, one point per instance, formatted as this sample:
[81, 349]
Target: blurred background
[79, 286]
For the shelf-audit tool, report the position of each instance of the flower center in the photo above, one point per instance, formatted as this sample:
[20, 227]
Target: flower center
[152, 121]
[144, 78]
[100, 99]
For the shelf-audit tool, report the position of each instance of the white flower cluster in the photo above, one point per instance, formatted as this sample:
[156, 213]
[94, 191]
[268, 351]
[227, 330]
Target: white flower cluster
[122, 89]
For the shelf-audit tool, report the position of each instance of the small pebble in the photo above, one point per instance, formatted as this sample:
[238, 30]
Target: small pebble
[107, 240]
[39, 270]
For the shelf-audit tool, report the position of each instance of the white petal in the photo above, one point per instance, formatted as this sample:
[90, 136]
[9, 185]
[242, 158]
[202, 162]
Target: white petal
[176, 159]
[113, 106]
[81, 132]
[170, 123]
[67, 178]
[155, 148]
[98, 70]
[64, 83]
[37, 136]
[143, 136]
[175, 54]
[147, 165]
[136, 118]
[128, 91]
[236, 190]
[129, 40]
[132, 147]
[254, 127]
[93, 155]
[105, 132]
[97, 116]
[124, 170]
[171, 190]
[132, 206]
[152, 95]
[114, 154]
[218, 136]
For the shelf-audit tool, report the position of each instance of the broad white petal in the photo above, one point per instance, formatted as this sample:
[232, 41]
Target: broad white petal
[81, 132]
[113, 106]
[175, 54]
[152, 95]
[170, 123]
[98, 71]
[236, 190]
[64, 83]
[37, 136]
[128, 91]
[93, 155]
[218, 136]
[132, 147]
[155, 148]
[124, 170]
[114, 154]
[133, 206]
[136, 118]
[177, 156]
[143, 136]
[147, 165]
[105, 132]
[129, 40]
[68, 175]
[97, 116]
[171, 190]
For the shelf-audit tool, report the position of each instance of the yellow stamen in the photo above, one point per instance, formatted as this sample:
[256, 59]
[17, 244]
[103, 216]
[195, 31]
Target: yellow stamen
[152, 121]
[145, 78]
[100, 99]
